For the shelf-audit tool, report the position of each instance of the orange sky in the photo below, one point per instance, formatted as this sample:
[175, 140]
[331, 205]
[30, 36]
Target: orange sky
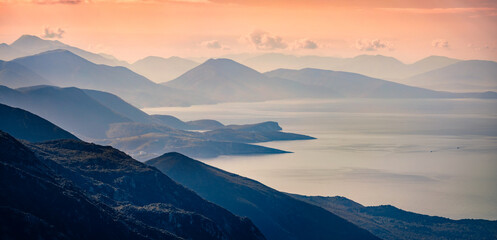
[132, 29]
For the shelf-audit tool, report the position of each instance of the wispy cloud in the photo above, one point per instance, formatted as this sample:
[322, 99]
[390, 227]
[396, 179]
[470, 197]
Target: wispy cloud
[49, 33]
[372, 45]
[440, 43]
[264, 41]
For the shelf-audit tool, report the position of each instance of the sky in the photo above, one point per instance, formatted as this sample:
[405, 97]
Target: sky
[133, 29]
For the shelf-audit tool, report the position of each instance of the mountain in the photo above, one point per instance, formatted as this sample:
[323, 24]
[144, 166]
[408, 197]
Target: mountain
[376, 66]
[37, 203]
[70, 108]
[428, 64]
[225, 80]
[24, 125]
[106, 119]
[15, 75]
[8, 53]
[28, 45]
[276, 214]
[142, 192]
[391, 223]
[160, 69]
[463, 76]
[86, 191]
[354, 85]
[120, 106]
[65, 69]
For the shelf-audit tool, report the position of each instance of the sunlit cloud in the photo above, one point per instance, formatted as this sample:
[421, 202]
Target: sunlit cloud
[49, 33]
[372, 45]
[440, 43]
[264, 41]
[213, 44]
[305, 44]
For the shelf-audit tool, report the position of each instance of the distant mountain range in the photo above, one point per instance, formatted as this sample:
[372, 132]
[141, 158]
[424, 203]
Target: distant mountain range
[64, 69]
[160, 69]
[225, 80]
[277, 215]
[107, 119]
[28, 45]
[463, 76]
[376, 66]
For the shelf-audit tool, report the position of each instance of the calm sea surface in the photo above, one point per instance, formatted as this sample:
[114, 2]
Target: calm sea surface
[437, 157]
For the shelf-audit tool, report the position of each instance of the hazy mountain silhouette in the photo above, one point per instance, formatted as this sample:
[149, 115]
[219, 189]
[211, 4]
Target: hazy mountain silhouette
[69, 108]
[160, 69]
[29, 45]
[8, 53]
[276, 214]
[106, 119]
[377, 66]
[65, 69]
[354, 85]
[120, 106]
[86, 191]
[15, 75]
[24, 125]
[225, 80]
[391, 223]
[464, 76]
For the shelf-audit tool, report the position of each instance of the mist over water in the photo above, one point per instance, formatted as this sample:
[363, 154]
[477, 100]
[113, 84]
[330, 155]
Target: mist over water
[431, 156]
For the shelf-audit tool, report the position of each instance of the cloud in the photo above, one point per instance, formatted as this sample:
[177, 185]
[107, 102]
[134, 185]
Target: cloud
[372, 45]
[440, 43]
[305, 44]
[265, 41]
[49, 33]
[213, 44]
[57, 1]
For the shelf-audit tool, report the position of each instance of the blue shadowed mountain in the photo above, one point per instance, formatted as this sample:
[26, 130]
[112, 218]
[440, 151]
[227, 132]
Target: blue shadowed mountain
[276, 214]
[24, 125]
[15, 75]
[107, 119]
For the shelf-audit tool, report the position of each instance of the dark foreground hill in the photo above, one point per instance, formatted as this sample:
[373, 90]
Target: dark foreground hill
[391, 223]
[276, 214]
[69, 189]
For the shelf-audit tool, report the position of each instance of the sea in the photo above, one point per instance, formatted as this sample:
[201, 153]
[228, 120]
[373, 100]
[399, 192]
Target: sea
[430, 156]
